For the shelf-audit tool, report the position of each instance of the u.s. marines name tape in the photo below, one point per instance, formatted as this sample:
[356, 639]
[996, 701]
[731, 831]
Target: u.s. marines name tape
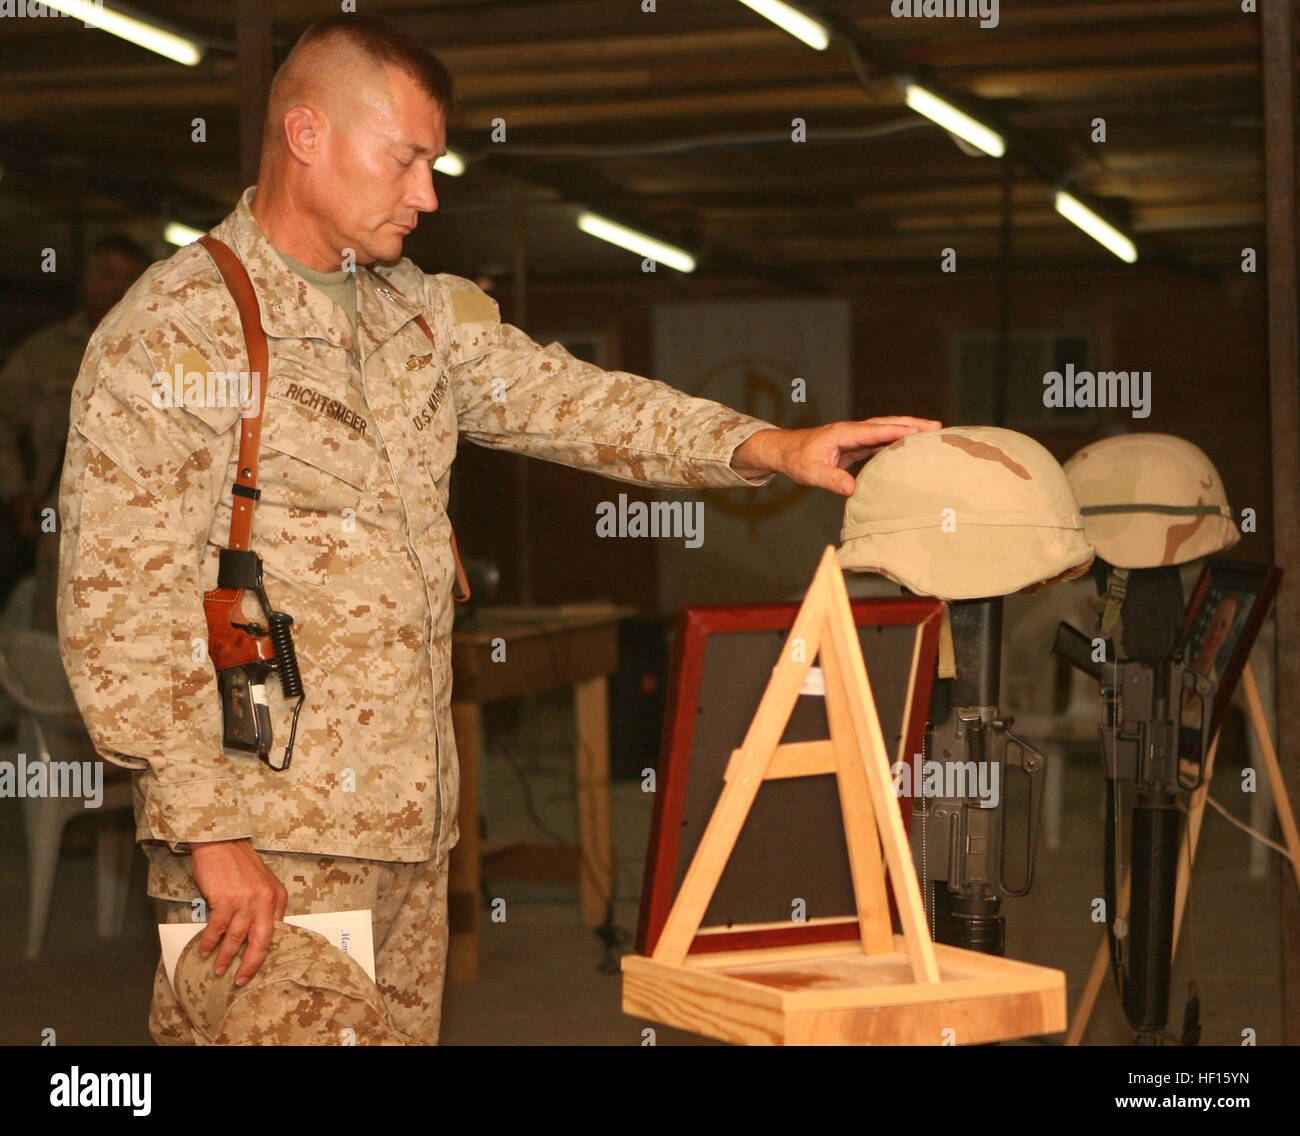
[431, 404]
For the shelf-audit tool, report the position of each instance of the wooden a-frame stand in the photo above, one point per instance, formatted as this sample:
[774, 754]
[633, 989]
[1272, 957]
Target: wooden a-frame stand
[885, 989]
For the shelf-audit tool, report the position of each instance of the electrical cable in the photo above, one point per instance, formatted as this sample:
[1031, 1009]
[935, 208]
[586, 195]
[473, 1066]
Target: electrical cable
[709, 142]
[1244, 827]
[612, 936]
[859, 65]
[1116, 924]
[529, 804]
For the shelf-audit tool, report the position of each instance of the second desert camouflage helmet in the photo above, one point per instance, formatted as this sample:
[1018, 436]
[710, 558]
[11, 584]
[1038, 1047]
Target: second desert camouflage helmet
[963, 513]
[1150, 500]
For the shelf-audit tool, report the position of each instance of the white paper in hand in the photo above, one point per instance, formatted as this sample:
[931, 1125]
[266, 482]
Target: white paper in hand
[350, 931]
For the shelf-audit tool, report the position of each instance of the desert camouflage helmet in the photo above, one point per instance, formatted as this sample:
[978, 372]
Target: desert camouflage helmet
[306, 992]
[963, 513]
[1150, 499]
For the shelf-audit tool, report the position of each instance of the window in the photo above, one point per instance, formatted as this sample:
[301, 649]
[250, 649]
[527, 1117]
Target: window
[1030, 356]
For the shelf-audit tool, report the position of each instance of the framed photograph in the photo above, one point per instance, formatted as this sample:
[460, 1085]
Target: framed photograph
[788, 879]
[1227, 609]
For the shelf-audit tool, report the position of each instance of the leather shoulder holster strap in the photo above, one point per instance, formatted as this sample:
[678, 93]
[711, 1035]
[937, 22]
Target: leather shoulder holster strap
[245, 488]
[250, 426]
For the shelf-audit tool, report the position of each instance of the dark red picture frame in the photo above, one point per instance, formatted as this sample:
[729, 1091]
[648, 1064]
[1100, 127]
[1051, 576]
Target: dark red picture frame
[1256, 583]
[697, 623]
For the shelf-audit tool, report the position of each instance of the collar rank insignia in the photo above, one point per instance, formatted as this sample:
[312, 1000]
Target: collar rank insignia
[415, 362]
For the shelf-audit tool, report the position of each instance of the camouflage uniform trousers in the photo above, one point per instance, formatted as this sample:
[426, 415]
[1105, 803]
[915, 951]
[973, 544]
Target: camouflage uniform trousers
[408, 903]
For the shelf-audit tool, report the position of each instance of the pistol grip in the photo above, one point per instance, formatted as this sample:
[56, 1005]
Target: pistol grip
[245, 713]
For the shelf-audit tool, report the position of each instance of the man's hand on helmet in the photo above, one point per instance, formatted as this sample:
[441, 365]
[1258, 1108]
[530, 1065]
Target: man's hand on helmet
[820, 457]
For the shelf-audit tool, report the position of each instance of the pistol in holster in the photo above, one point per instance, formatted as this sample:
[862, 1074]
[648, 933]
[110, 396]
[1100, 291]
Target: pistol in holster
[245, 654]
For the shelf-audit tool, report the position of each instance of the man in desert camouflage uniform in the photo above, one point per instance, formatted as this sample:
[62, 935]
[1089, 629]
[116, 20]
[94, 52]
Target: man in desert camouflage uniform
[359, 433]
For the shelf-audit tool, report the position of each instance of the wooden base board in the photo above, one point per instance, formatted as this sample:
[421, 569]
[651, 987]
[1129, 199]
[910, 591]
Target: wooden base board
[833, 994]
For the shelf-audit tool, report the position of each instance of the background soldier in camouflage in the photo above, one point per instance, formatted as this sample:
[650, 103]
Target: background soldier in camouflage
[361, 424]
[35, 387]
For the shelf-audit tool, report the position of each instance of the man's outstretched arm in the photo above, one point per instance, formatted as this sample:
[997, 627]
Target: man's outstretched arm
[512, 394]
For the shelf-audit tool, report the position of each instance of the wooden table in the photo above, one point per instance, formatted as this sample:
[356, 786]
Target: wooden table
[544, 647]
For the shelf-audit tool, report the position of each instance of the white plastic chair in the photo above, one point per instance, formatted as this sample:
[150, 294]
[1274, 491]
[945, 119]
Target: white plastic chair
[17, 613]
[50, 729]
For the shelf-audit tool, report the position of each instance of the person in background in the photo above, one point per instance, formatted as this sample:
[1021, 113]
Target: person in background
[35, 391]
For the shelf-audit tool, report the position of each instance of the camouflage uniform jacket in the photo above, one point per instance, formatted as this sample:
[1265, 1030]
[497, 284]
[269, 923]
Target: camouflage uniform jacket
[357, 446]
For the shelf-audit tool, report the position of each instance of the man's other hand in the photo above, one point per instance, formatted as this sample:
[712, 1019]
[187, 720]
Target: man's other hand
[821, 456]
[244, 899]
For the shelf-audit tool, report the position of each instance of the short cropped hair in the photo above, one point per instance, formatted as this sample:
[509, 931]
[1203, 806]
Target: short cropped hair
[384, 43]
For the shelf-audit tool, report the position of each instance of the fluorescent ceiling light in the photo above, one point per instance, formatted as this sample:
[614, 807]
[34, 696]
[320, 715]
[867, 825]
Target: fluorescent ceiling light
[450, 163]
[636, 242]
[793, 21]
[953, 120]
[95, 14]
[1104, 233]
[178, 234]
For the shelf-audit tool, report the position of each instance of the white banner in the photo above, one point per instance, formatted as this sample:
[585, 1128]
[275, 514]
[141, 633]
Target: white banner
[787, 362]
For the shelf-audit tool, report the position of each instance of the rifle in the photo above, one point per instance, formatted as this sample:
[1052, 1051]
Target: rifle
[1144, 740]
[961, 843]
